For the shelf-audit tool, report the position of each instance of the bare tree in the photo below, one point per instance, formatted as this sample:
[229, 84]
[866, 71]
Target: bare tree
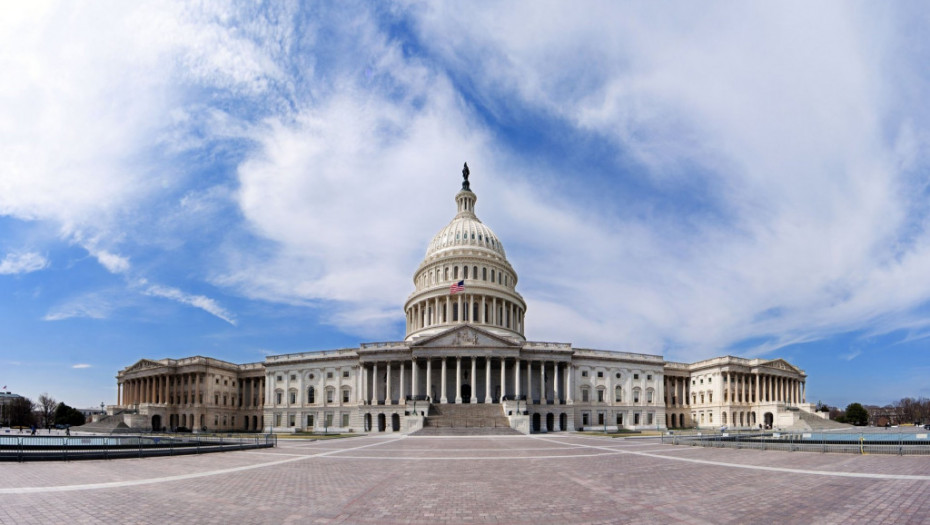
[47, 406]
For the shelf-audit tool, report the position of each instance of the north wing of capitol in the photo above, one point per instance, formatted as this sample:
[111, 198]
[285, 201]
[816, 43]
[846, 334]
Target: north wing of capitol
[465, 356]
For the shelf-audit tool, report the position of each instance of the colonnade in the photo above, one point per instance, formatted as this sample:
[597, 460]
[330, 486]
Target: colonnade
[184, 389]
[741, 387]
[476, 379]
[464, 308]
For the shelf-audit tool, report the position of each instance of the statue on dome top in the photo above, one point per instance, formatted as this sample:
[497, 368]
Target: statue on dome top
[465, 172]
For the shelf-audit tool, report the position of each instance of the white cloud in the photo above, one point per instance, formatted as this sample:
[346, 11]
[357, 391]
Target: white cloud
[22, 262]
[90, 306]
[198, 301]
[81, 365]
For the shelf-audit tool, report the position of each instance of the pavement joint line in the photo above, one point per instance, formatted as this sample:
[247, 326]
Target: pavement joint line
[167, 479]
[478, 458]
[865, 475]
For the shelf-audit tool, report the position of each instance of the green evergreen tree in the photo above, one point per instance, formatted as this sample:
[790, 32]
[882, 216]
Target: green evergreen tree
[857, 415]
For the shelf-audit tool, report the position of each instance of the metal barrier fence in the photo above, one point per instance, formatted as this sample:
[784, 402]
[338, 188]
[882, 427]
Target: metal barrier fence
[67, 448]
[879, 442]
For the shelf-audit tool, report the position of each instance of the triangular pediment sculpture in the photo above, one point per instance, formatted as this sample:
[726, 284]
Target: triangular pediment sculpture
[143, 364]
[781, 364]
[465, 336]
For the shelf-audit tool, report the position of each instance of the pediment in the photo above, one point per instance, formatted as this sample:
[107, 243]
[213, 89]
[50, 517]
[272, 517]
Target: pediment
[781, 364]
[144, 364]
[465, 336]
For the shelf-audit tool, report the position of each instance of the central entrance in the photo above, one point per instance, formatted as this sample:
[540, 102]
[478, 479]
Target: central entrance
[466, 393]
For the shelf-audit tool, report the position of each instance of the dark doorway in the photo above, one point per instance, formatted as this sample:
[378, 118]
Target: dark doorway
[536, 423]
[156, 423]
[563, 421]
[769, 420]
[466, 393]
[550, 422]
[381, 423]
[395, 423]
[367, 422]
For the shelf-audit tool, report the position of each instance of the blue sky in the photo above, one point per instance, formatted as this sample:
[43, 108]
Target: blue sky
[243, 180]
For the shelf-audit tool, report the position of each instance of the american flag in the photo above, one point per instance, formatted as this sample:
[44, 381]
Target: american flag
[457, 287]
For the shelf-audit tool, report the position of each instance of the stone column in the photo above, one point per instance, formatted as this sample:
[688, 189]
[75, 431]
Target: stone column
[474, 380]
[487, 379]
[374, 383]
[542, 383]
[429, 379]
[442, 383]
[458, 379]
[414, 380]
[402, 397]
[516, 378]
[555, 386]
[569, 392]
[388, 398]
[503, 379]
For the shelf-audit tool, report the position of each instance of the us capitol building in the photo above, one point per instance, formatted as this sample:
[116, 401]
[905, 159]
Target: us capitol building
[464, 361]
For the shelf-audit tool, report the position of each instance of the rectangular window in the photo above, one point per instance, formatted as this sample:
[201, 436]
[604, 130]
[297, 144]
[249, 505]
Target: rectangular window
[649, 397]
[291, 419]
[649, 418]
[585, 418]
[600, 418]
[329, 396]
[649, 377]
[635, 376]
[345, 373]
[277, 397]
[293, 398]
[280, 378]
[329, 419]
[293, 377]
[309, 420]
[584, 373]
[345, 420]
[277, 420]
[635, 419]
[600, 373]
[584, 395]
[345, 396]
[329, 375]
[619, 419]
[600, 396]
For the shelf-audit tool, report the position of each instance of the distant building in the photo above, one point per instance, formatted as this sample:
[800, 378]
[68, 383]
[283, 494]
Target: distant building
[464, 345]
[6, 398]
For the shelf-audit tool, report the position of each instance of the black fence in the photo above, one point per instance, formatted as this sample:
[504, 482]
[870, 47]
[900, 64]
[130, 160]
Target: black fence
[866, 442]
[67, 448]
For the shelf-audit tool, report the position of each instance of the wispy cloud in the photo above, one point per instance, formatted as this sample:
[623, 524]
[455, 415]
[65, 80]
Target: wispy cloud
[198, 301]
[22, 262]
[81, 365]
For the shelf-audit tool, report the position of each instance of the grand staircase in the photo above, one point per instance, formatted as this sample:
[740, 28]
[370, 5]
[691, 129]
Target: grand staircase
[465, 420]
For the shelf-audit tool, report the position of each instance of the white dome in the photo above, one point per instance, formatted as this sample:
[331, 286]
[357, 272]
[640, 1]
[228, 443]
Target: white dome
[465, 230]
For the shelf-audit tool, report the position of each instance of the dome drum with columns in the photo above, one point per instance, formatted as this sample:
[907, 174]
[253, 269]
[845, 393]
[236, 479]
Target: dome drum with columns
[464, 362]
[467, 251]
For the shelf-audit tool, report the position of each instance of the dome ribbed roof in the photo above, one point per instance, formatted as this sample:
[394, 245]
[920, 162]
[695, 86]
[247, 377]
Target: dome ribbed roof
[465, 231]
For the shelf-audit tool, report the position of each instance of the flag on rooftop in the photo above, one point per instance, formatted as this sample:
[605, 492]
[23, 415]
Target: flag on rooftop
[457, 287]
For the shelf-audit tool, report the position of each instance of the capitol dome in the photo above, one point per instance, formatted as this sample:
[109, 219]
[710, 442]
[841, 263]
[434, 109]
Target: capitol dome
[465, 252]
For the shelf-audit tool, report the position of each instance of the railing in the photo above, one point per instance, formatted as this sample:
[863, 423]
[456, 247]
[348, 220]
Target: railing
[870, 442]
[44, 448]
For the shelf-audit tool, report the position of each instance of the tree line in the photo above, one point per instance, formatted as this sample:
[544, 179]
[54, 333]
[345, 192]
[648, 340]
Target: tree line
[907, 410]
[44, 413]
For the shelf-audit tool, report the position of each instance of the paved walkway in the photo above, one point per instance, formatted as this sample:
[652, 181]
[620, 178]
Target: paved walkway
[556, 478]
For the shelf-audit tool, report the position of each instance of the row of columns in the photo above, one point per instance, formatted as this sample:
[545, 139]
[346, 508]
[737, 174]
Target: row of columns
[182, 389]
[372, 384]
[742, 388]
[438, 311]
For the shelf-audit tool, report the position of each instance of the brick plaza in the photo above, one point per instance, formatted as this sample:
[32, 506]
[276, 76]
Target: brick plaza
[555, 478]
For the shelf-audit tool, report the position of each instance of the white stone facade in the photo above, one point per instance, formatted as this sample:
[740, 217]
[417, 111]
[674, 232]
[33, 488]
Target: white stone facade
[465, 344]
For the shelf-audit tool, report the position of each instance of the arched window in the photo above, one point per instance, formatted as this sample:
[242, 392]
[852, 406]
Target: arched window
[484, 274]
[446, 273]
[474, 272]
[455, 272]
[475, 312]
[455, 311]
[311, 395]
[636, 395]
[650, 393]
[492, 275]
[585, 394]
[465, 272]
